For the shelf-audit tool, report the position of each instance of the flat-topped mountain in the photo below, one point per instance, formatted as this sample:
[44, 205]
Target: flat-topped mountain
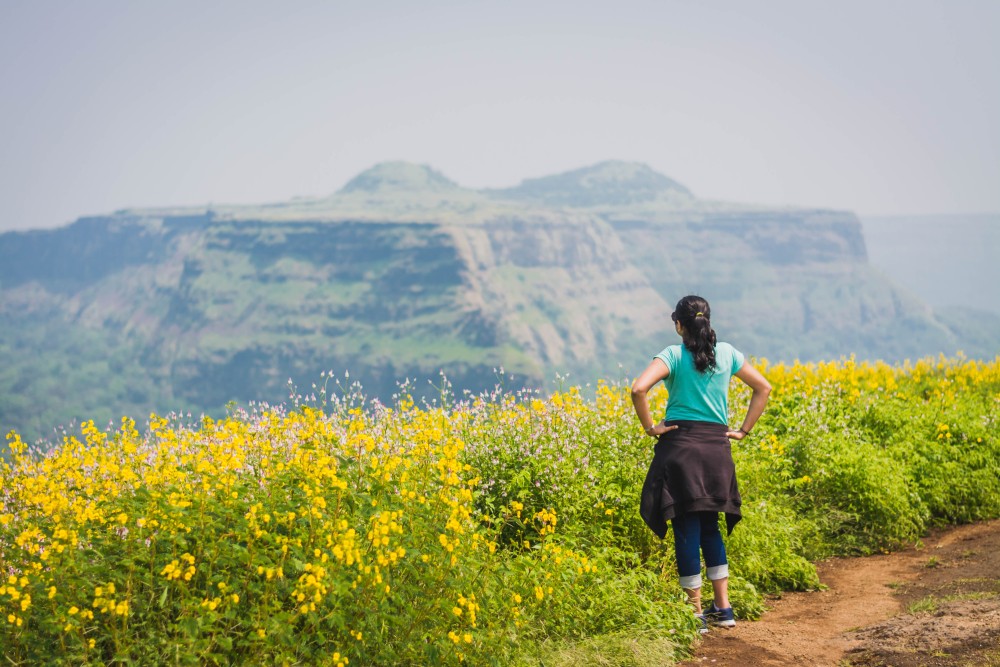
[402, 273]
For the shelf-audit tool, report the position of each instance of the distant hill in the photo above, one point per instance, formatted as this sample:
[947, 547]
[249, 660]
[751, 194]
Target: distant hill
[403, 273]
[610, 183]
[395, 177]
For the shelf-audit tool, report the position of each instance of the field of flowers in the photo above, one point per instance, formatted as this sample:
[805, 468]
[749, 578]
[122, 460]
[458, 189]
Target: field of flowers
[500, 529]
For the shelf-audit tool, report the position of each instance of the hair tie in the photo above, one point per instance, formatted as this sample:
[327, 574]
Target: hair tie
[699, 314]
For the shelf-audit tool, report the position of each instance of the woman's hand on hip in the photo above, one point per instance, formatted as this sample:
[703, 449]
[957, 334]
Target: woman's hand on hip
[736, 435]
[659, 428]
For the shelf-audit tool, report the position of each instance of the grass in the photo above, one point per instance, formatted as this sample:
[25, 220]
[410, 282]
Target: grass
[924, 605]
[633, 649]
[932, 603]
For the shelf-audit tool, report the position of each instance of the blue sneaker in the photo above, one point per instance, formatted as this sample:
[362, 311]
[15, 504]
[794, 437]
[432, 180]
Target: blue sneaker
[702, 624]
[720, 617]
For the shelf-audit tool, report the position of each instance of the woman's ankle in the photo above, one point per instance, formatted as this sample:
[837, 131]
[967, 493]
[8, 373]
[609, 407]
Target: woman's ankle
[720, 593]
[694, 598]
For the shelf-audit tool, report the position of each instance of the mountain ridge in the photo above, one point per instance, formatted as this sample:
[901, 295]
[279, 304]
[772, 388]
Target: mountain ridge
[407, 274]
[400, 188]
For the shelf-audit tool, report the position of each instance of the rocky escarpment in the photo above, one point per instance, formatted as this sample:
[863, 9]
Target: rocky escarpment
[229, 310]
[785, 284]
[564, 289]
[210, 310]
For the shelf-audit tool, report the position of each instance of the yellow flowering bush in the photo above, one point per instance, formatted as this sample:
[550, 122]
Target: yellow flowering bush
[496, 530]
[860, 453]
[275, 536]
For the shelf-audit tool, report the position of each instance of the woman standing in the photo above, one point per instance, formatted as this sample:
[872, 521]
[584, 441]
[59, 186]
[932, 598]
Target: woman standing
[692, 477]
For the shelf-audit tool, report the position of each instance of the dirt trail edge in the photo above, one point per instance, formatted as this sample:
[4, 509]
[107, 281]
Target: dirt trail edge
[936, 604]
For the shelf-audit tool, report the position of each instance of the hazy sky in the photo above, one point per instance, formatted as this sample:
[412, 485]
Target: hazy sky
[878, 106]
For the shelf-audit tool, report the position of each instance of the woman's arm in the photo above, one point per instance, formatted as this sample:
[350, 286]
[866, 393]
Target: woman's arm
[656, 371]
[758, 399]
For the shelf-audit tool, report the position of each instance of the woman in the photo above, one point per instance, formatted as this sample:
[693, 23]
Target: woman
[692, 477]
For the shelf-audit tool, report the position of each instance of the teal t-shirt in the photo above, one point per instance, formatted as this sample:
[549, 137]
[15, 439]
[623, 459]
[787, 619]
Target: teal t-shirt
[699, 396]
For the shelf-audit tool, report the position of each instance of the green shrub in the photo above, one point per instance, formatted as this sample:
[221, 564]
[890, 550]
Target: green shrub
[862, 498]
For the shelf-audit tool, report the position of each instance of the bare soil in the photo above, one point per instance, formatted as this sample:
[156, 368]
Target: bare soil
[933, 605]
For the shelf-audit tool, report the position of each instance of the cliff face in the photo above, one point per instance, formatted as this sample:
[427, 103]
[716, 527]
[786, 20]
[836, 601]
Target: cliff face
[787, 284]
[563, 289]
[230, 310]
[403, 273]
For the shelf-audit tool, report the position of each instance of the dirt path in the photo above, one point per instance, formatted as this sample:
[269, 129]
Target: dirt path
[935, 605]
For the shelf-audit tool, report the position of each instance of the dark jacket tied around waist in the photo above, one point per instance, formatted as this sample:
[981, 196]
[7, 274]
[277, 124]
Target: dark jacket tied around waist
[692, 471]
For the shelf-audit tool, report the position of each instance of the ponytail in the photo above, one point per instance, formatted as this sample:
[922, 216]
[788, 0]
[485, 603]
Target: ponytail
[695, 316]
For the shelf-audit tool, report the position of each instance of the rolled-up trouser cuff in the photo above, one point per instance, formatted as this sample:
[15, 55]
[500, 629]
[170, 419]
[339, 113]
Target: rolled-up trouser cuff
[692, 581]
[717, 572]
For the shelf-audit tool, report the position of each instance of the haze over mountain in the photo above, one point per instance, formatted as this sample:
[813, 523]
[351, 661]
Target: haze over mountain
[949, 260]
[404, 273]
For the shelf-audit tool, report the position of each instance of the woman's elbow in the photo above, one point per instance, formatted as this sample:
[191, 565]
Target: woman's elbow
[638, 390]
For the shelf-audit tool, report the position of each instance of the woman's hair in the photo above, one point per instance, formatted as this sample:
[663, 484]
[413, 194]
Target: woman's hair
[699, 338]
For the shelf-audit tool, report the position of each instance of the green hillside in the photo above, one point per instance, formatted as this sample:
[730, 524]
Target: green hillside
[405, 274]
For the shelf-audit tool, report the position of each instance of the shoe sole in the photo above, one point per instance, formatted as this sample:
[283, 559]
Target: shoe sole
[723, 624]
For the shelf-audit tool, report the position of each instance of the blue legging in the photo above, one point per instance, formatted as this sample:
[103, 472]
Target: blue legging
[696, 530]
